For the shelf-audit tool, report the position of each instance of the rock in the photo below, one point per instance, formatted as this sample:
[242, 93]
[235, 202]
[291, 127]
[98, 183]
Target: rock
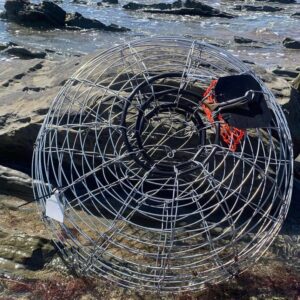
[264, 8]
[297, 167]
[6, 45]
[22, 109]
[79, 21]
[284, 1]
[13, 7]
[54, 12]
[15, 183]
[160, 6]
[44, 15]
[296, 15]
[24, 53]
[249, 62]
[189, 7]
[291, 43]
[111, 1]
[79, 2]
[49, 15]
[242, 40]
[21, 251]
[292, 109]
[285, 73]
[296, 83]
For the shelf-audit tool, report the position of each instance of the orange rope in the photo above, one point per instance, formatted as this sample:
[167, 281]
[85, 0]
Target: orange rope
[232, 136]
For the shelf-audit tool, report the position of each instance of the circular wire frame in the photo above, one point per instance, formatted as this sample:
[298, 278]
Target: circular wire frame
[150, 200]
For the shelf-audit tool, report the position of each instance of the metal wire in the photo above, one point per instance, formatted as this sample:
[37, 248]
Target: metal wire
[151, 201]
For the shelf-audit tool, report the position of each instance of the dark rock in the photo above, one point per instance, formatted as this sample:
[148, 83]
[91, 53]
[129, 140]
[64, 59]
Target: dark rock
[296, 15]
[79, 21]
[291, 43]
[283, 1]
[44, 15]
[54, 12]
[111, 1]
[189, 7]
[24, 53]
[264, 8]
[19, 250]
[285, 73]
[13, 7]
[159, 6]
[292, 109]
[79, 2]
[15, 183]
[242, 40]
[191, 12]
[6, 45]
[249, 62]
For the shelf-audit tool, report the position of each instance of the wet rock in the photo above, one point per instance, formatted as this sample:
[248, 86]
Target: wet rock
[28, 87]
[291, 43]
[45, 15]
[24, 53]
[285, 73]
[21, 251]
[79, 2]
[296, 83]
[296, 15]
[297, 167]
[292, 109]
[49, 15]
[160, 6]
[77, 20]
[189, 7]
[111, 1]
[15, 183]
[242, 40]
[6, 45]
[264, 8]
[249, 62]
[283, 1]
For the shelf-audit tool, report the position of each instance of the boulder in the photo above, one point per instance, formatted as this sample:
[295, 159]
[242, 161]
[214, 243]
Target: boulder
[4, 46]
[77, 20]
[21, 251]
[24, 53]
[189, 7]
[296, 15]
[242, 40]
[45, 15]
[13, 7]
[111, 1]
[292, 109]
[79, 2]
[27, 87]
[285, 73]
[284, 1]
[54, 12]
[159, 6]
[264, 8]
[15, 183]
[279, 1]
[291, 43]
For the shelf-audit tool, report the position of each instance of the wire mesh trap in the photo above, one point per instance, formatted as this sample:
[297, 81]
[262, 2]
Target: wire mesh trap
[163, 164]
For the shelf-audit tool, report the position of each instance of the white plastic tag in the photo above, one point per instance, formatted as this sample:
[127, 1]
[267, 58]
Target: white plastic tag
[54, 208]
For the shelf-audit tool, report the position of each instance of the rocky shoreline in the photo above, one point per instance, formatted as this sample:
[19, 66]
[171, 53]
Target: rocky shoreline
[27, 88]
[30, 266]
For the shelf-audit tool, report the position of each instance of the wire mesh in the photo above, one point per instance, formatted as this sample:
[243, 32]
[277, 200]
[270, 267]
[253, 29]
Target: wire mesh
[150, 199]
